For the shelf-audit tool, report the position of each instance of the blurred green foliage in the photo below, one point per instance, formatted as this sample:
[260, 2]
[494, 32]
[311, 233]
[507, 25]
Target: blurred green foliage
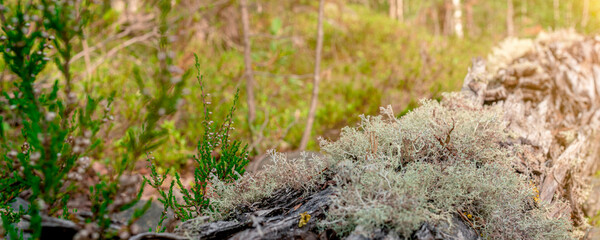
[369, 60]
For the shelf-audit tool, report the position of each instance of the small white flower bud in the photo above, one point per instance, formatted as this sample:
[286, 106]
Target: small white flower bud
[50, 116]
[12, 154]
[161, 56]
[35, 156]
[175, 69]
[175, 80]
[77, 149]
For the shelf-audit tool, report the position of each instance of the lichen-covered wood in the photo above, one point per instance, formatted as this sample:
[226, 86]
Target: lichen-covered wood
[395, 178]
[510, 157]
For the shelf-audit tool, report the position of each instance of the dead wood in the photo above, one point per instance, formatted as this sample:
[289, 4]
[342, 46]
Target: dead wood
[550, 90]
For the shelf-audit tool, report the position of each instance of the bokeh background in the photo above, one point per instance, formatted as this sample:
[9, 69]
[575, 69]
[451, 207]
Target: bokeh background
[375, 53]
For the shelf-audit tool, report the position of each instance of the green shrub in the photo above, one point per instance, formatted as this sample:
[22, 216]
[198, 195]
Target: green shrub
[50, 142]
[217, 158]
[56, 135]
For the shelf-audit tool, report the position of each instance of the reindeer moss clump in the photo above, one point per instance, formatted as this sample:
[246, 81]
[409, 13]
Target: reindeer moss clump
[441, 160]
[438, 162]
[301, 173]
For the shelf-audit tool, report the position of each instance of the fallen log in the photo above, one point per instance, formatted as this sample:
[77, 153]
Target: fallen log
[547, 90]
[510, 157]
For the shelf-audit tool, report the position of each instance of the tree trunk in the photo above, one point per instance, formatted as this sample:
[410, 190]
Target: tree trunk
[457, 19]
[586, 13]
[556, 13]
[523, 12]
[400, 10]
[470, 24]
[393, 9]
[569, 19]
[248, 63]
[448, 17]
[315, 92]
[436, 21]
[509, 18]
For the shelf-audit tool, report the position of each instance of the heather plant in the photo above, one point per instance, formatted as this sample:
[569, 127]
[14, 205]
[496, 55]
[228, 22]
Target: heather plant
[217, 158]
[45, 156]
[161, 99]
[56, 136]
[66, 20]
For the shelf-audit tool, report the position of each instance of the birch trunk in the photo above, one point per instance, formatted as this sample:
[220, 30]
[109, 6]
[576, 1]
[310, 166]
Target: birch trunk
[248, 63]
[448, 17]
[509, 18]
[586, 13]
[392, 9]
[315, 92]
[400, 10]
[457, 18]
[556, 12]
[470, 25]
[436, 21]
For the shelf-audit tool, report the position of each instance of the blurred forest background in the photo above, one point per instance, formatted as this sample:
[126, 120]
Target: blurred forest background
[92, 88]
[375, 53]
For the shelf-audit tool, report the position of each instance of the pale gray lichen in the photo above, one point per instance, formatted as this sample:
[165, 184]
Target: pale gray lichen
[441, 160]
[299, 173]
